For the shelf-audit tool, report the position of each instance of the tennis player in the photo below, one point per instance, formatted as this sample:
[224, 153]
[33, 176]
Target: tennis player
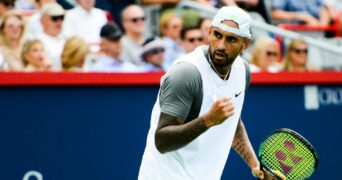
[196, 118]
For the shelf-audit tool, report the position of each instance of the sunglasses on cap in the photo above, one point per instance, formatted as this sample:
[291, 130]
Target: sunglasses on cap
[56, 18]
[299, 51]
[137, 19]
[271, 53]
[192, 40]
[155, 51]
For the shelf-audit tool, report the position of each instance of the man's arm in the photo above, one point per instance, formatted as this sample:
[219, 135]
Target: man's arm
[243, 146]
[281, 15]
[172, 133]
[324, 16]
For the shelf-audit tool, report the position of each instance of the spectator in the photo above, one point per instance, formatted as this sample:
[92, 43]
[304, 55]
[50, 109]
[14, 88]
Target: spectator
[204, 25]
[34, 26]
[11, 32]
[171, 26]
[74, 53]
[296, 57]
[190, 16]
[34, 57]
[52, 38]
[191, 38]
[133, 22]
[153, 54]
[111, 46]
[310, 12]
[5, 6]
[84, 21]
[265, 55]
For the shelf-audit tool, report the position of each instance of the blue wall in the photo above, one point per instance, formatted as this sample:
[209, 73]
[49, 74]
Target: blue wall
[88, 132]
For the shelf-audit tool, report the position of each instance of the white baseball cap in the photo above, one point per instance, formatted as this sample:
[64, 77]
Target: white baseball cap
[52, 9]
[236, 14]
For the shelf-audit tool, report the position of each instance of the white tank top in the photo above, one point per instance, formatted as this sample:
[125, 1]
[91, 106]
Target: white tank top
[205, 157]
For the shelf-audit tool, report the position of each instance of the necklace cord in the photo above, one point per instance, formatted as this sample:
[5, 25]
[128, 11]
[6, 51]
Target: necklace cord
[225, 76]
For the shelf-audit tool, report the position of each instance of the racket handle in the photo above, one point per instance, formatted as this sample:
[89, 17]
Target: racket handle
[270, 171]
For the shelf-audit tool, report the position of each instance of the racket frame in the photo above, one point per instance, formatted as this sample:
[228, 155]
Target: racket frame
[300, 138]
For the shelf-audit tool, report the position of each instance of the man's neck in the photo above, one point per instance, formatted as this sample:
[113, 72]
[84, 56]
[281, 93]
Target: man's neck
[135, 37]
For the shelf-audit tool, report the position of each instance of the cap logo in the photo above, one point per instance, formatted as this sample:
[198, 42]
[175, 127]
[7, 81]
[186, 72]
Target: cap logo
[232, 16]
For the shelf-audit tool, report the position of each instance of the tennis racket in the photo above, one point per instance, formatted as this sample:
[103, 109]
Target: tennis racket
[289, 153]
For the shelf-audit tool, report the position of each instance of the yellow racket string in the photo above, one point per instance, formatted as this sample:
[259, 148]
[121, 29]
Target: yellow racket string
[286, 153]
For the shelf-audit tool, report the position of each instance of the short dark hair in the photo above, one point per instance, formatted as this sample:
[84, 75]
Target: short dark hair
[186, 29]
[7, 2]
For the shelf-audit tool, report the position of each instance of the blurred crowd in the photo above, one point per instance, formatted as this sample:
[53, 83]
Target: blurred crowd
[90, 36]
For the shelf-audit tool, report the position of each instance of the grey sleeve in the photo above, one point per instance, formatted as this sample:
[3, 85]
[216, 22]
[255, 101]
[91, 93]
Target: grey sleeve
[181, 86]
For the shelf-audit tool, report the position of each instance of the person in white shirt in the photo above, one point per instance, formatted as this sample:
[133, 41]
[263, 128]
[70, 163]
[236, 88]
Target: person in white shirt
[85, 21]
[33, 24]
[52, 38]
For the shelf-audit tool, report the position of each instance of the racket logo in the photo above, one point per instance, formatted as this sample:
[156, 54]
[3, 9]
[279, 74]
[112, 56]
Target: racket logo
[288, 152]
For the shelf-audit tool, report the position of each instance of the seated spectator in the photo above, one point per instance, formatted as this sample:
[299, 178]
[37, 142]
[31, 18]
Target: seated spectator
[170, 27]
[153, 54]
[5, 6]
[12, 28]
[74, 53]
[191, 38]
[33, 24]
[34, 57]
[133, 22]
[11, 32]
[204, 25]
[265, 55]
[111, 47]
[296, 57]
[190, 16]
[52, 16]
[310, 12]
[85, 21]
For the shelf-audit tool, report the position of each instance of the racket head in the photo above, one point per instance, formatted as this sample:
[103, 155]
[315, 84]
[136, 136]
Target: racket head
[290, 153]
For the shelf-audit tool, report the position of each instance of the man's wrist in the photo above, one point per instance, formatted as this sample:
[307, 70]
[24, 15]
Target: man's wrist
[206, 123]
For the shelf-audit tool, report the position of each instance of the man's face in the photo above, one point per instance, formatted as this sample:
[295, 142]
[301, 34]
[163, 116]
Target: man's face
[225, 46]
[52, 24]
[112, 48]
[134, 20]
[192, 39]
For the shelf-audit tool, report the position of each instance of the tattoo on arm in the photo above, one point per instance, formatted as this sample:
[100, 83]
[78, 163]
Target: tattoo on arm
[243, 147]
[172, 133]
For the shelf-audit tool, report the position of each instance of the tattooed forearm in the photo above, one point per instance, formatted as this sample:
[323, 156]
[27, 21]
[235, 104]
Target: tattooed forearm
[172, 133]
[242, 145]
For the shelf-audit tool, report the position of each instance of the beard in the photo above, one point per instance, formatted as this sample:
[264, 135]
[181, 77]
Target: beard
[221, 58]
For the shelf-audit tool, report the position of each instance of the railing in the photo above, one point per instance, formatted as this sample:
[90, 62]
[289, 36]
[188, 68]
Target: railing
[151, 79]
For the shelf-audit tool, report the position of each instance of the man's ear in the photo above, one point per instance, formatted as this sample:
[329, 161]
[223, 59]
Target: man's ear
[246, 43]
[209, 32]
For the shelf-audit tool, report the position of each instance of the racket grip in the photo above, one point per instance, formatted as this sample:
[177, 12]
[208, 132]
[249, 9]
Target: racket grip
[270, 171]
